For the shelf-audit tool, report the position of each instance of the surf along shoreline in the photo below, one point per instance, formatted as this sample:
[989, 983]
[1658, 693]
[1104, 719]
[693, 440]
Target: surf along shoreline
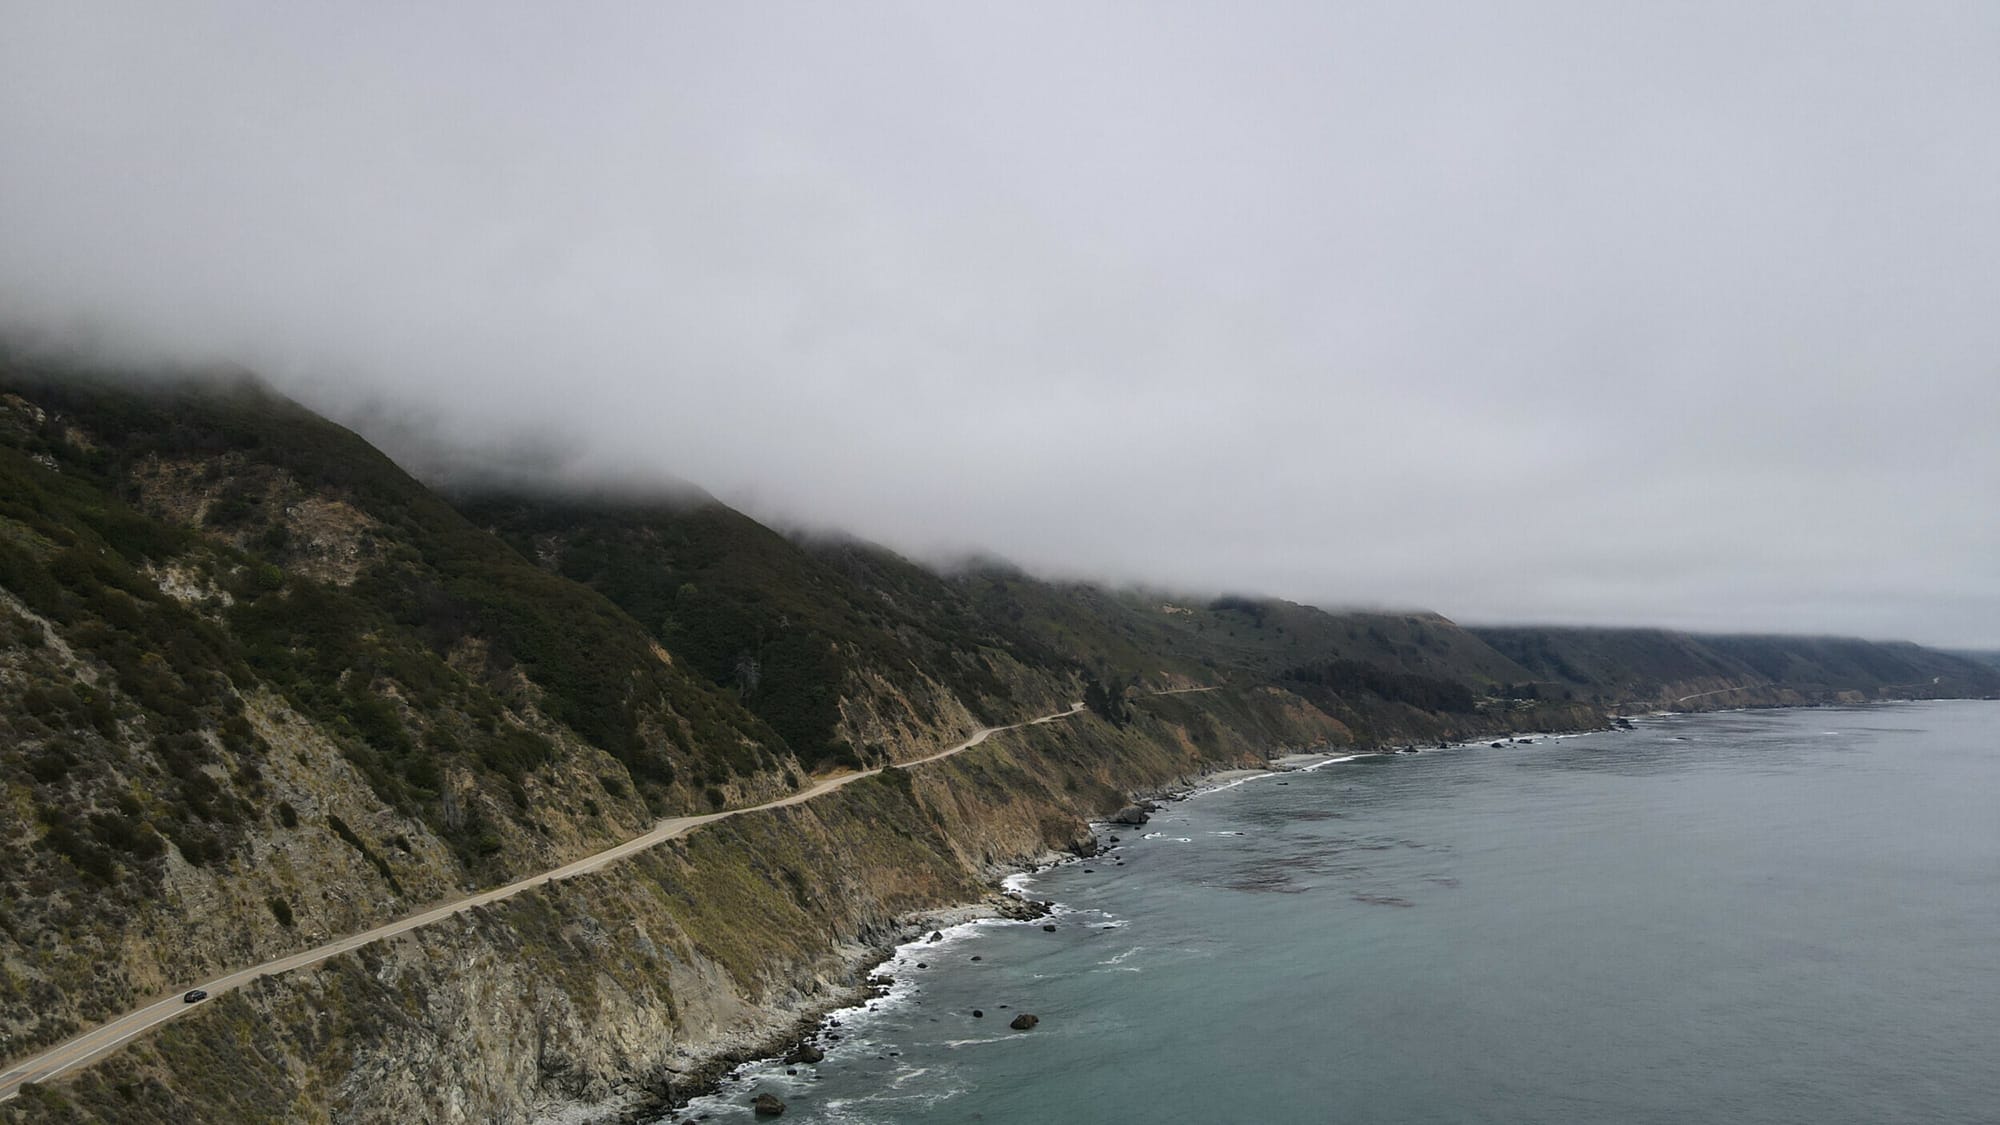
[1009, 901]
[821, 1026]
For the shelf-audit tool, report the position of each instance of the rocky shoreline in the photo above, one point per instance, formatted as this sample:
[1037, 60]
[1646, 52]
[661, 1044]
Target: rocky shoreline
[805, 1039]
[802, 1039]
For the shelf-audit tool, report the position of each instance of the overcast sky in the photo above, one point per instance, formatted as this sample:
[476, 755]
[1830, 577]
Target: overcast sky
[1684, 314]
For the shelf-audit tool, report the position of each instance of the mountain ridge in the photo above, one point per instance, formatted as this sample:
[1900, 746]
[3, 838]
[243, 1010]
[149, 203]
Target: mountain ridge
[259, 685]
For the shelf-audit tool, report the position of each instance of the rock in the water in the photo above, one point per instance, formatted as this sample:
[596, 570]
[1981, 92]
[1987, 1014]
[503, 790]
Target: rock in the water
[977, 957]
[1024, 1021]
[936, 935]
[805, 1053]
[767, 1105]
[1049, 928]
[923, 964]
[977, 1014]
[1130, 814]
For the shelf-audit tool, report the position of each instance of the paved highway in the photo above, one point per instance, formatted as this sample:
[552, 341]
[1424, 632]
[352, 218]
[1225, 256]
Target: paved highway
[107, 1037]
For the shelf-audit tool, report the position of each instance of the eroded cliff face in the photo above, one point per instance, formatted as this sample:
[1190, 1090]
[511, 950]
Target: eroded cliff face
[259, 688]
[136, 861]
[624, 986]
[919, 716]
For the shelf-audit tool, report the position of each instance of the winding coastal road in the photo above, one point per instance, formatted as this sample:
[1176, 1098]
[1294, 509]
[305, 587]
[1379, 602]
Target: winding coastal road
[1701, 694]
[109, 1036]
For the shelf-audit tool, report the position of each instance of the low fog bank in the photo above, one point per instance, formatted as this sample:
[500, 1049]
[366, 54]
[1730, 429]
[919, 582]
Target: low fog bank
[1544, 312]
[1504, 566]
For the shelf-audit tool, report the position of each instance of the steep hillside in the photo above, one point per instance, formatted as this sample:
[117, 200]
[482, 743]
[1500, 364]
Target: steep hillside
[260, 688]
[626, 986]
[1646, 668]
[849, 652]
[256, 685]
[1978, 656]
[853, 653]
[1159, 639]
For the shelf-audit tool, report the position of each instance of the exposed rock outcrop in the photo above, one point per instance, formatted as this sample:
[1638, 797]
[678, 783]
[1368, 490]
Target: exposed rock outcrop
[640, 984]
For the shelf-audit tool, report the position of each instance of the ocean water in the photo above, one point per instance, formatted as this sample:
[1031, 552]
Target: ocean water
[1756, 917]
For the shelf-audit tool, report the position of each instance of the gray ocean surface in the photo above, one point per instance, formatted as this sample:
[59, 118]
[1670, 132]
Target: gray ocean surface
[1755, 917]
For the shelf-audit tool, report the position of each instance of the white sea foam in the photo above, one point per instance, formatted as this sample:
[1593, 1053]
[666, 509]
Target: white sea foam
[871, 1108]
[854, 1026]
[855, 1022]
[1270, 773]
[1067, 911]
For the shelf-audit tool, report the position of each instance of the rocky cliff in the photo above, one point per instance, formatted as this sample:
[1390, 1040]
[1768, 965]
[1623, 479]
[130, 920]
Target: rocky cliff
[260, 688]
[617, 989]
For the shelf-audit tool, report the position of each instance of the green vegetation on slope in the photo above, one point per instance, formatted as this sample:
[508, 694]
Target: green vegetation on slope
[1659, 667]
[425, 584]
[791, 629]
[192, 572]
[259, 686]
[1160, 639]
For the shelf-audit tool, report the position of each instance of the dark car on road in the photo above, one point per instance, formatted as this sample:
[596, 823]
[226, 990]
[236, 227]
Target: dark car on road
[195, 995]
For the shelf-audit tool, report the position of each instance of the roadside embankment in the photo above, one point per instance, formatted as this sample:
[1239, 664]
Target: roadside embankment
[626, 986]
